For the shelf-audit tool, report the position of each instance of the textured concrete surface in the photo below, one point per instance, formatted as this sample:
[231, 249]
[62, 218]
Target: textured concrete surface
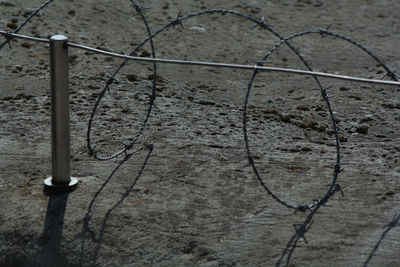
[193, 200]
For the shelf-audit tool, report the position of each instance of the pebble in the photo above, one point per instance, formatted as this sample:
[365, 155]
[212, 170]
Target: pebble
[199, 29]
[12, 25]
[84, 37]
[303, 108]
[206, 102]
[6, 3]
[391, 105]
[362, 129]
[367, 118]
[26, 45]
[132, 77]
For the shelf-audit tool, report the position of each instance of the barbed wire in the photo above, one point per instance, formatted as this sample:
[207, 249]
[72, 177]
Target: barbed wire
[91, 149]
[324, 33]
[337, 167]
[300, 230]
[256, 68]
[35, 12]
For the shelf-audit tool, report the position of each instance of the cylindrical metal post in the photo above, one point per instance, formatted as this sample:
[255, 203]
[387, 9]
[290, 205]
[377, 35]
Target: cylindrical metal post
[60, 135]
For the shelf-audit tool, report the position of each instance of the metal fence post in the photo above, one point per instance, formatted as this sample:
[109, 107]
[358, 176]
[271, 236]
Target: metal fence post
[60, 135]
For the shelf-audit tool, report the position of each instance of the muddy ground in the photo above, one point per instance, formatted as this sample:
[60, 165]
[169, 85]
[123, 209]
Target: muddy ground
[193, 199]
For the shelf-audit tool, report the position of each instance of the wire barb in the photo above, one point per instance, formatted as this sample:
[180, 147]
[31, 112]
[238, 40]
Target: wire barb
[150, 147]
[139, 10]
[392, 74]
[324, 93]
[153, 101]
[92, 151]
[338, 169]
[262, 24]
[9, 37]
[301, 230]
[302, 208]
[109, 81]
[177, 21]
[338, 188]
[324, 32]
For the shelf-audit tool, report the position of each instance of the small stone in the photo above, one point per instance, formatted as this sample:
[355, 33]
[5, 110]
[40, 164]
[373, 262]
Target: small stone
[362, 129]
[308, 124]
[126, 109]
[6, 4]
[206, 102]
[26, 45]
[132, 77]
[389, 193]
[72, 58]
[367, 118]
[115, 119]
[391, 105]
[199, 29]
[145, 53]
[286, 118]
[12, 25]
[159, 77]
[84, 37]
[303, 108]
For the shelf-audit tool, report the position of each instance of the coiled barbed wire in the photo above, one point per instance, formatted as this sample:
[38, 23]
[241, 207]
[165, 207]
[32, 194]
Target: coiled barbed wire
[178, 21]
[337, 168]
[90, 148]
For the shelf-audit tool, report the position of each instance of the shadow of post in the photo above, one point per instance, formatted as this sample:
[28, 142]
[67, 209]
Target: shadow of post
[52, 235]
